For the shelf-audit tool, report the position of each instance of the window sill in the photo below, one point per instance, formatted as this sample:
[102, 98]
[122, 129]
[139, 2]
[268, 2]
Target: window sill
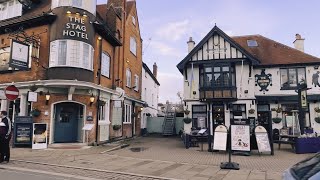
[127, 123]
[288, 88]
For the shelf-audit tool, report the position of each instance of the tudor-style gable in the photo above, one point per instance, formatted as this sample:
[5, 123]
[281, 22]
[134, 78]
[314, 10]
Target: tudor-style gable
[217, 45]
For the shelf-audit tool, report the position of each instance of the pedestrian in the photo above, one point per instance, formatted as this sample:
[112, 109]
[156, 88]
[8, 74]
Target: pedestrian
[5, 136]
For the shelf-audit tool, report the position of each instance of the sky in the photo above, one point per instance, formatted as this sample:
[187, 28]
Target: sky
[166, 26]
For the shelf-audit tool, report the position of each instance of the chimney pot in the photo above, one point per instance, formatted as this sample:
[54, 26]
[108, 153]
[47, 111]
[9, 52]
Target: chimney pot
[299, 43]
[155, 70]
[191, 44]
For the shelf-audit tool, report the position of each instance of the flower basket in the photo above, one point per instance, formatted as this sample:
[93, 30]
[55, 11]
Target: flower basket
[187, 120]
[317, 119]
[251, 111]
[279, 110]
[35, 112]
[317, 109]
[186, 111]
[116, 127]
[148, 114]
[277, 120]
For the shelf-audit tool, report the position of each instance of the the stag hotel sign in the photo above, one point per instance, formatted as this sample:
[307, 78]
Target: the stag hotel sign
[75, 28]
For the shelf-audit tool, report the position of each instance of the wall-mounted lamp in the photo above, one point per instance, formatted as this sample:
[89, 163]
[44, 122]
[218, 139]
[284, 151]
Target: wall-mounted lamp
[77, 13]
[141, 109]
[84, 14]
[91, 100]
[68, 12]
[47, 97]
[99, 38]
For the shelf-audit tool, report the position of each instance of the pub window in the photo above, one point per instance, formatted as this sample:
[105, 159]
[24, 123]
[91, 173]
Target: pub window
[128, 76]
[71, 53]
[218, 114]
[133, 46]
[198, 111]
[217, 76]
[127, 114]
[291, 77]
[136, 82]
[14, 109]
[238, 111]
[105, 65]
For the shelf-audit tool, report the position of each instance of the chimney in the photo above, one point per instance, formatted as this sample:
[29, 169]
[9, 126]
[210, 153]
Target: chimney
[155, 70]
[190, 44]
[299, 43]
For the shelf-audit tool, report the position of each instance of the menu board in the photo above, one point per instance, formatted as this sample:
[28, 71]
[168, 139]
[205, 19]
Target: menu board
[220, 141]
[23, 133]
[240, 137]
[263, 142]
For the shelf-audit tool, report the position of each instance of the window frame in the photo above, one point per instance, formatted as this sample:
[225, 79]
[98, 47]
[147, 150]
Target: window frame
[133, 19]
[127, 114]
[242, 111]
[128, 78]
[106, 72]
[136, 82]
[133, 45]
[195, 119]
[296, 69]
[231, 80]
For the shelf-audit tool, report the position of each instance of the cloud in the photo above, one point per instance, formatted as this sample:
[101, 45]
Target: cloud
[164, 49]
[170, 84]
[174, 31]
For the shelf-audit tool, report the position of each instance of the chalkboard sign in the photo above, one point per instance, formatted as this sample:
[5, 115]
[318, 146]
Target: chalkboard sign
[23, 130]
[220, 138]
[240, 137]
[262, 139]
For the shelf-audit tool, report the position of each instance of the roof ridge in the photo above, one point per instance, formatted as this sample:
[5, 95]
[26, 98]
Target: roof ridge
[247, 35]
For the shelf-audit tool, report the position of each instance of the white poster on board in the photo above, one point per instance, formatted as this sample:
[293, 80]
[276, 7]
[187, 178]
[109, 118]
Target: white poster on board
[40, 138]
[240, 138]
[220, 138]
[263, 142]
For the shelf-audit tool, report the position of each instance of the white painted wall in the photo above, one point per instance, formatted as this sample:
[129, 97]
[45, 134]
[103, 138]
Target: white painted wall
[149, 94]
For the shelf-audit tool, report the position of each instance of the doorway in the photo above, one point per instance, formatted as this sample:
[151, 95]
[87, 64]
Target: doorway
[68, 122]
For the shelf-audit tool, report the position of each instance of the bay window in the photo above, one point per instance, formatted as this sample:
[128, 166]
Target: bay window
[71, 53]
[81, 4]
[291, 77]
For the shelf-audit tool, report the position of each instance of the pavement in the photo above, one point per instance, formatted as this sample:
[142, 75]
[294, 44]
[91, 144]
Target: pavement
[153, 158]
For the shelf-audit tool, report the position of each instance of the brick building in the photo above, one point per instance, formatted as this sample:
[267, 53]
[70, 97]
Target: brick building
[83, 63]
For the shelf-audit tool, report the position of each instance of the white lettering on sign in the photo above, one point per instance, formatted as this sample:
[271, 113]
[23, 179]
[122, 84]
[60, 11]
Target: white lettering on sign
[75, 28]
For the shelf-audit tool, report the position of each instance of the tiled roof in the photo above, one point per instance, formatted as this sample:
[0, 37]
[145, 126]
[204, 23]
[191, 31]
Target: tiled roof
[270, 52]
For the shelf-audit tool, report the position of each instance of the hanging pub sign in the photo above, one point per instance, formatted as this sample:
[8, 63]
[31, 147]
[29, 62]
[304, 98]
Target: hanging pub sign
[303, 97]
[263, 80]
[19, 55]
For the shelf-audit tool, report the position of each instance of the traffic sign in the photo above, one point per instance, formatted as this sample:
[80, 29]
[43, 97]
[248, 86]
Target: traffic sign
[11, 92]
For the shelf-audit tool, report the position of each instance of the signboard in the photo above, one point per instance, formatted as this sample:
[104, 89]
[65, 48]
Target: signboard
[11, 93]
[23, 130]
[263, 80]
[19, 57]
[32, 96]
[240, 137]
[201, 122]
[262, 139]
[87, 127]
[304, 103]
[2, 95]
[40, 139]
[220, 138]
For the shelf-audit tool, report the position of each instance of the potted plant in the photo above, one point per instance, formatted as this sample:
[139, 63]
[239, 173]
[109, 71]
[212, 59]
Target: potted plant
[116, 127]
[187, 120]
[251, 111]
[35, 112]
[317, 119]
[276, 120]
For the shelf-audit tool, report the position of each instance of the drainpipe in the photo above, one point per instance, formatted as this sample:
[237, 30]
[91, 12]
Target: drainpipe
[98, 94]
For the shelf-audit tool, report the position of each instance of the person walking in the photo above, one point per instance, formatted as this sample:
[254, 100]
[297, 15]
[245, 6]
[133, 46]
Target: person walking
[5, 136]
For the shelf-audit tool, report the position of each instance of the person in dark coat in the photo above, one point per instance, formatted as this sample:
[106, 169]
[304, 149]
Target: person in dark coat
[5, 136]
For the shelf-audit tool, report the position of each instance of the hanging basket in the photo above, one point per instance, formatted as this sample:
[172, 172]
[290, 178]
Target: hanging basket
[317, 119]
[116, 127]
[187, 120]
[35, 112]
[148, 114]
[317, 109]
[279, 110]
[277, 120]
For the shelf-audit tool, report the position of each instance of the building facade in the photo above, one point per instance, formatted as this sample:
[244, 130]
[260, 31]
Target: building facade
[150, 93]
[76, 67]
[251, 80]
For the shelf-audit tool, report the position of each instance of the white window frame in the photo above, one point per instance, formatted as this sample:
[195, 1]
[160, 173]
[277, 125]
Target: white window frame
[72, 57]
[136, 82]
[105, 64]
[133, 46]
[133, 20]
[128, 78]
[127, 114]
[8, 11]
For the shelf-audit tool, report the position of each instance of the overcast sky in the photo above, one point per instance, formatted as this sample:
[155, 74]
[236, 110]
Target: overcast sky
[166, 25]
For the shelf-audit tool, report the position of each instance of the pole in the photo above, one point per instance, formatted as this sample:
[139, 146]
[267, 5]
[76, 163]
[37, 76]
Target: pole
[209, 129]
[229, 165]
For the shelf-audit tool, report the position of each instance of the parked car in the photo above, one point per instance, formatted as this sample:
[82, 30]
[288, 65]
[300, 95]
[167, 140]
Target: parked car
[308, 169]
